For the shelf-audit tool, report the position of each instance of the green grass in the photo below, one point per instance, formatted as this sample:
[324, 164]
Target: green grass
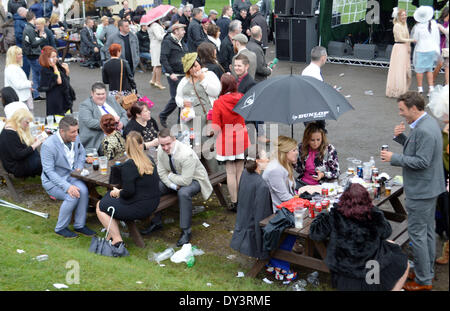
[35, 235]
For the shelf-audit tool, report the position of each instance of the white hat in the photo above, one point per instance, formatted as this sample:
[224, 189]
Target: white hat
[423, 14]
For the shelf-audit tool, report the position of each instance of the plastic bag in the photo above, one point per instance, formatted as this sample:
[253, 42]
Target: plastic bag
[183, 254]
[187, 114]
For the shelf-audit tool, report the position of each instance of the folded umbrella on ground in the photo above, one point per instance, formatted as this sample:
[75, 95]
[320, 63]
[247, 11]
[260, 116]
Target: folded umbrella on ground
[103, 247]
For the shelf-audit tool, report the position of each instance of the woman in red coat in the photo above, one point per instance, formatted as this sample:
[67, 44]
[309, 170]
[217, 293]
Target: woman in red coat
[232, 137]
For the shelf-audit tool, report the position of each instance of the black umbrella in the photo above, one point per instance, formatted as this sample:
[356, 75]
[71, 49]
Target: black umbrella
[104, 3]
[292, 99]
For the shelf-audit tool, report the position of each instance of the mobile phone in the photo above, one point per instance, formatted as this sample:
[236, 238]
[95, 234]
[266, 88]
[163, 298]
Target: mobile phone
[315, 176]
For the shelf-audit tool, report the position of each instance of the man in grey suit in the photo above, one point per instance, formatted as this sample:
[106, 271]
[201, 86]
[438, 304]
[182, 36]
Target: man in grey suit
[61, 154]
[92, 110]
[181, 171]
[423, 182]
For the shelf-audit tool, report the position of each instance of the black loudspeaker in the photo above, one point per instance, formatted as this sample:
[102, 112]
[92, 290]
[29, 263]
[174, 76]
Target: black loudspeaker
[284, 7]
[304, 36]
[305, 7]
[282, 38]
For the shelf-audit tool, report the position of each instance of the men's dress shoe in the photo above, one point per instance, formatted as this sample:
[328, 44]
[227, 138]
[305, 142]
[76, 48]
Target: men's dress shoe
[163, 122]
[85, 231]
[152, 228]
[413, 286]
[39, 98]
[184, 238]
[67, 233]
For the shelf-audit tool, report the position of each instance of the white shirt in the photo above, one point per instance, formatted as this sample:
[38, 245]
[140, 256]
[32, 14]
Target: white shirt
[312, 70]
[16, 78]
[69, 153]
[13, 107]
[108, 108]
[426, 41]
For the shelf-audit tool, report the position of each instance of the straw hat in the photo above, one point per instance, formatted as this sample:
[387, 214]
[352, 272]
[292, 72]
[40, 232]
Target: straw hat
[188, 61]
[423, 14]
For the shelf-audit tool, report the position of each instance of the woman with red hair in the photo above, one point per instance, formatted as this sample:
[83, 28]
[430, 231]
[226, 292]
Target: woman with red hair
[55, 82]
[117, 73]
[113, 145]
[358, 254]
[232, 139]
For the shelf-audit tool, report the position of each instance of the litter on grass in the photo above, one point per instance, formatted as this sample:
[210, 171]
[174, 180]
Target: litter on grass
[59, 286]
[240, 274]
[267, 281]
[20, 251]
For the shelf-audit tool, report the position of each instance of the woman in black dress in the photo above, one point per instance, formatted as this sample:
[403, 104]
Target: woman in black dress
[55, 82]
[357, 233]
[139, 196]
[116, 71]
[18, 151]
[142, 122]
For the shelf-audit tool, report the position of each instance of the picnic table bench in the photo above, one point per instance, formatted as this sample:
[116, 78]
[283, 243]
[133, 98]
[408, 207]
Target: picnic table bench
[96, 179]
[315, 251]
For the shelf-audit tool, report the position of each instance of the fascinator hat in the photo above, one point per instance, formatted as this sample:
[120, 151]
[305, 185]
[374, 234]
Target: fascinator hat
[395, 12]
[423, 14]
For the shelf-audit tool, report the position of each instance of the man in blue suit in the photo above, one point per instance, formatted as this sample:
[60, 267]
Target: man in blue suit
[60, 155]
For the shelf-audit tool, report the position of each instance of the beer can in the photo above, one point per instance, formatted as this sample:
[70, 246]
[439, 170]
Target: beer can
[385, 147]
[324, 191]
[374, 173]
[318, 207]
[359, 171]
[311, 212]
[325, 204]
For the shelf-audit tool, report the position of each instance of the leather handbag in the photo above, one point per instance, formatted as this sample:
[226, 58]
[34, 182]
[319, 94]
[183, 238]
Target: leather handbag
[128, 100]
[115, 177]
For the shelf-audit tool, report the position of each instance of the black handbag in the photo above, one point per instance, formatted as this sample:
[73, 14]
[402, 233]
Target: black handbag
[115, 177]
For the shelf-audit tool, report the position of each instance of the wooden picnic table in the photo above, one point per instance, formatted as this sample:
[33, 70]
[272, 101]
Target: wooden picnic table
[96, 179]
[66, 48]
[315, 251]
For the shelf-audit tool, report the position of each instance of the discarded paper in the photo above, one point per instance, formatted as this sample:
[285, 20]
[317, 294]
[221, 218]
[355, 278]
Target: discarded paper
[205, 225]
[267, 281]
[240, 274]
[20, 251]
[59, 286]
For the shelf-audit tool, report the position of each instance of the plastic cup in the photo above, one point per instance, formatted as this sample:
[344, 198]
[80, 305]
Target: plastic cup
[103, 163]
[50, 120]
[58, 118]
[299, 214]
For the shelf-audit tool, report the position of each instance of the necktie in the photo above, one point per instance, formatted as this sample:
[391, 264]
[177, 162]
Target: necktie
[172, 167]
[104, 109]
[69, 145]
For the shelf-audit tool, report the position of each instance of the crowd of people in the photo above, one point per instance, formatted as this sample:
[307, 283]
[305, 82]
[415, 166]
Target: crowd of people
[210, 63]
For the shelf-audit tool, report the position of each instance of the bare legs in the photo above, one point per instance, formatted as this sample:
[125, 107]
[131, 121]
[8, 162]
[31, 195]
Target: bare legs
[234, 171]
[114, 231]
[156, 78]
[430, 80]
